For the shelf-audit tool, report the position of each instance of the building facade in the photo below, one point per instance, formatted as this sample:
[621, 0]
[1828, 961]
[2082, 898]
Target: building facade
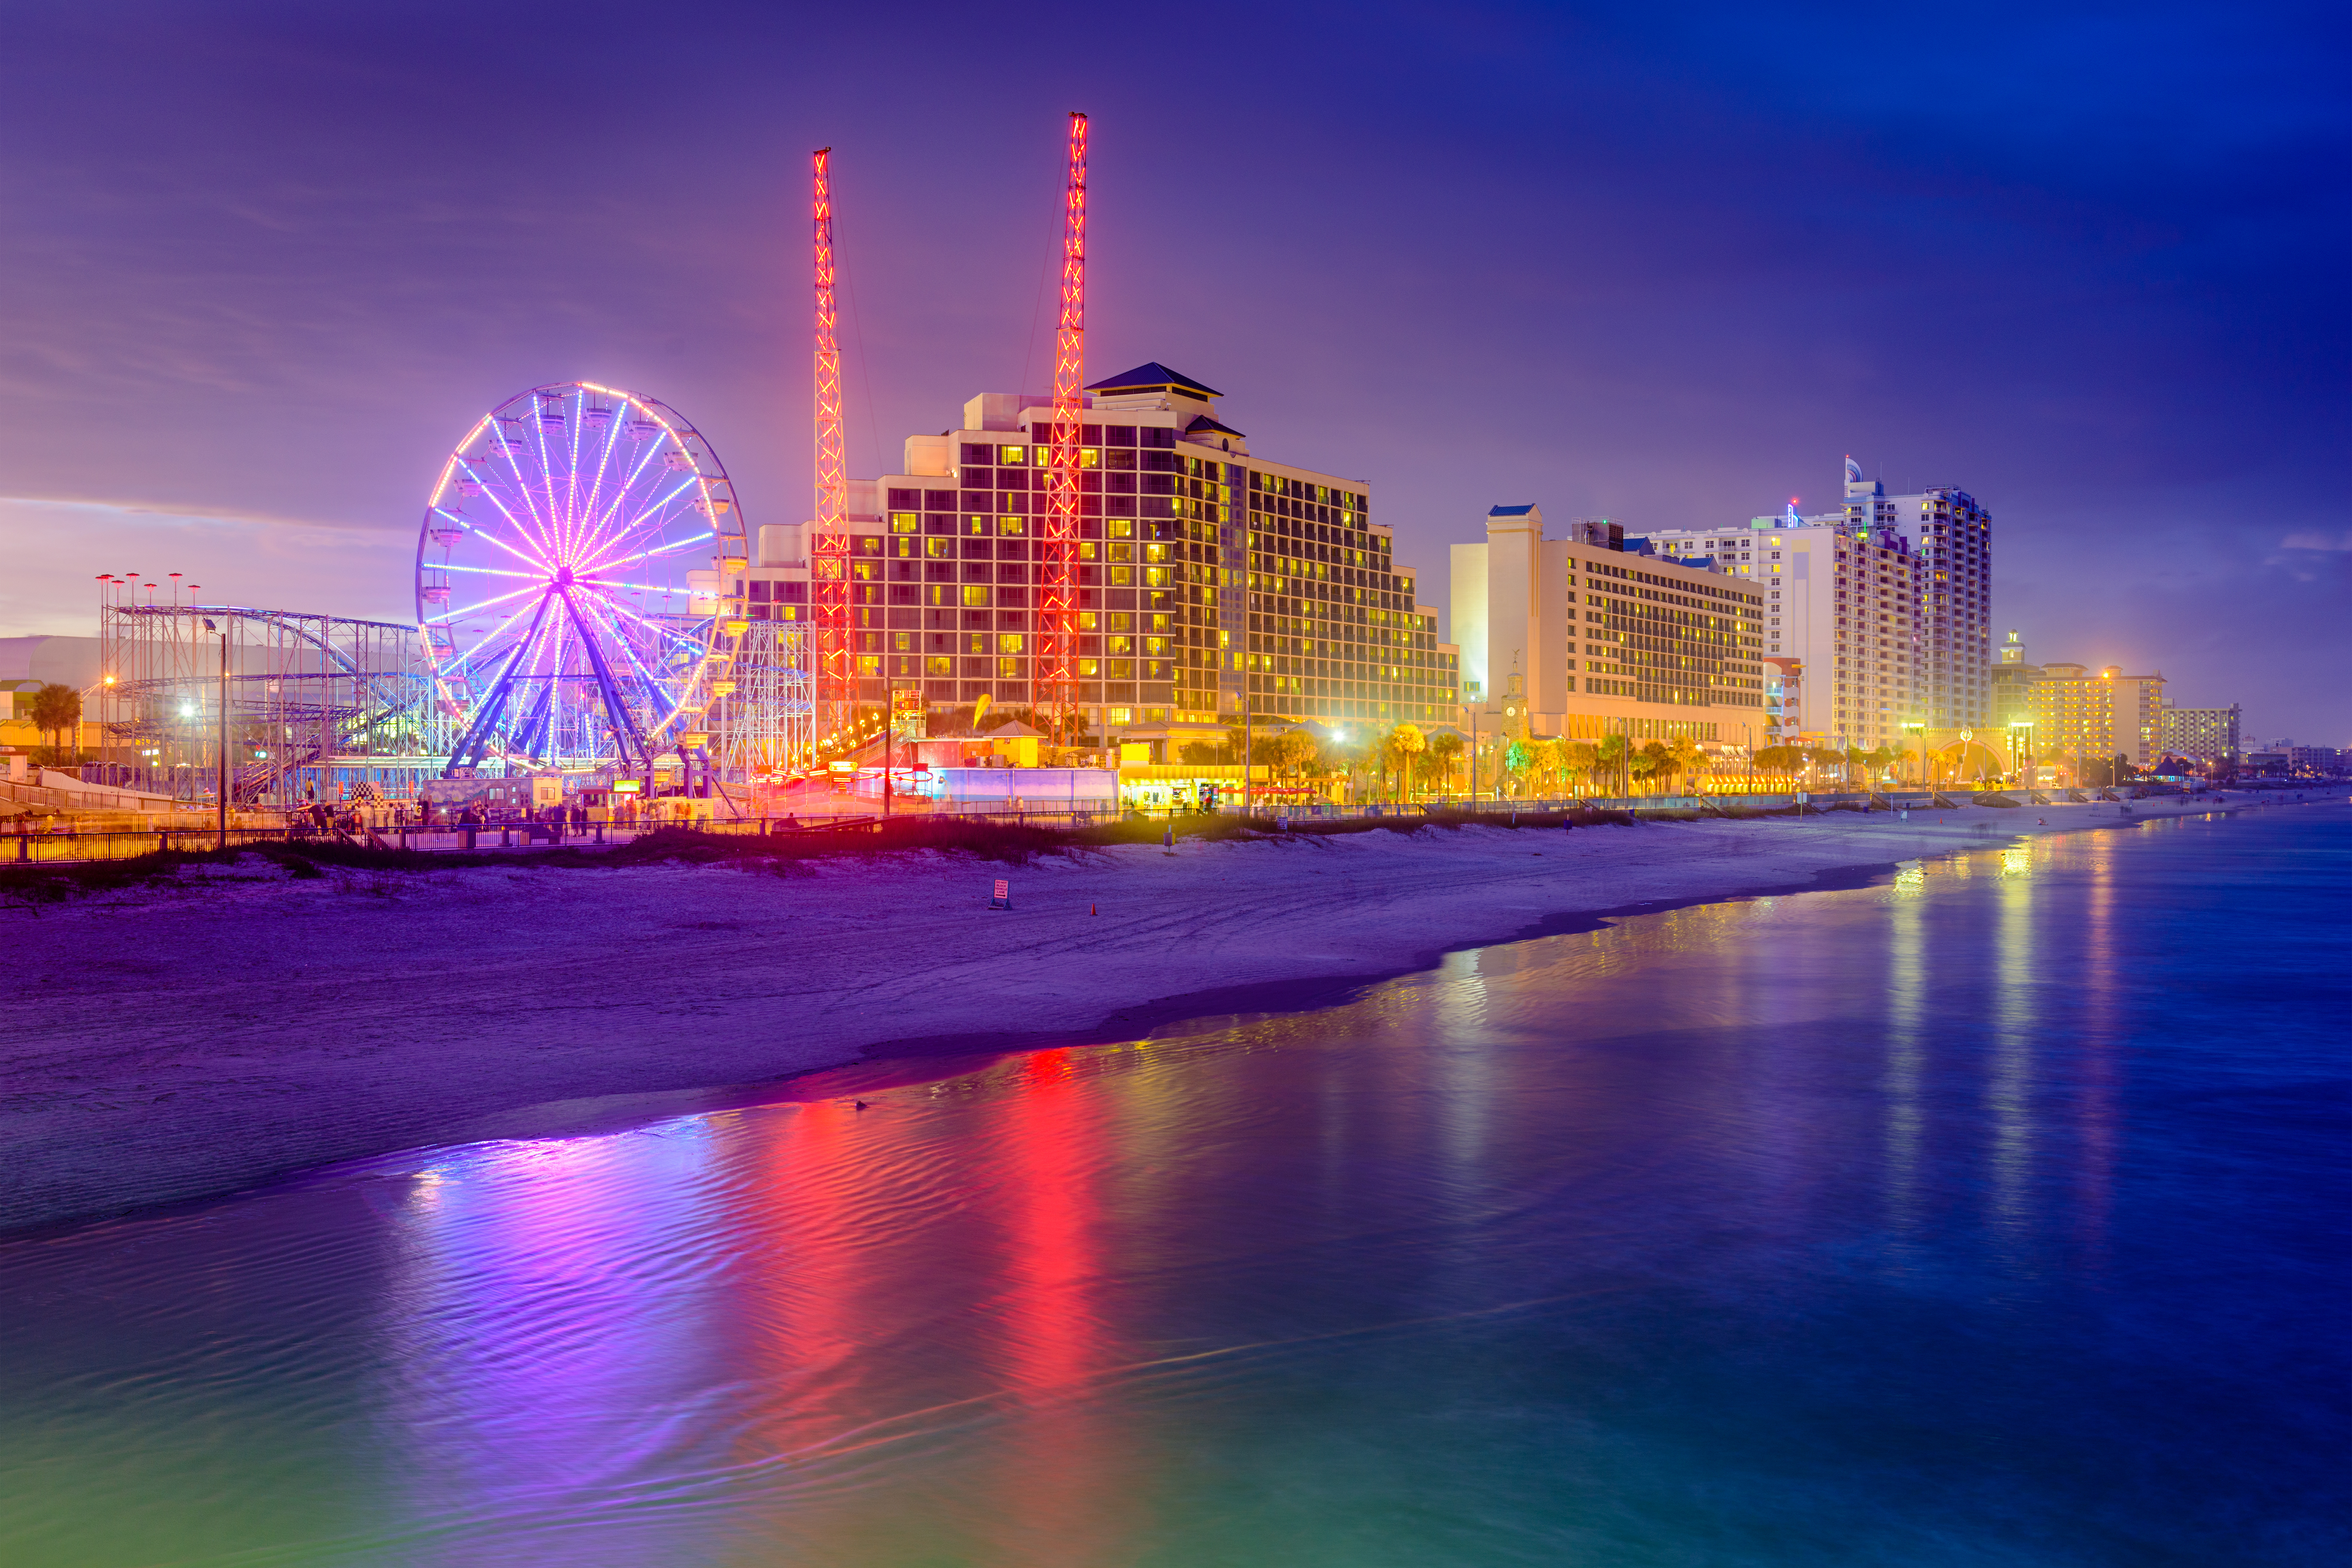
[1843, 607]
[1212, 583]
[2199, 735]
[1947, 532]
[2094, 716]
[1576, 637]
[1951, 534]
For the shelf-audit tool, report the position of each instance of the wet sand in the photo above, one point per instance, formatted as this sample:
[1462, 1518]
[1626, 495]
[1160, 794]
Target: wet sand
[189, 1039]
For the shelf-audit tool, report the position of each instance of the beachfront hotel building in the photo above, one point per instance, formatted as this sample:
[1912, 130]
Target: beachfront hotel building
[1576, 637]
[1949, 534]
[2199, 735]
[1844, 611]
[2098, 716]
[1213, 583]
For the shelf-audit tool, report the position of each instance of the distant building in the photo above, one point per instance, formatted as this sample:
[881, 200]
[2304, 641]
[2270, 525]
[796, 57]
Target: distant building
[2095, 717]
[2011, 685]
[35, 660]
[2199, 734]
[1579, 639]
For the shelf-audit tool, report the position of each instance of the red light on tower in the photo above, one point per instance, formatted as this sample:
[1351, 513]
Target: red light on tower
[1057, 619]
[829, 548]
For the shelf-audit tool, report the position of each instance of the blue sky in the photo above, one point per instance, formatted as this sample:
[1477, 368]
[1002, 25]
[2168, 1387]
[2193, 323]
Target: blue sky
[263, 264]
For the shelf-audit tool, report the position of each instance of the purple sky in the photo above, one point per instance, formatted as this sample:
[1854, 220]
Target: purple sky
[264, 264]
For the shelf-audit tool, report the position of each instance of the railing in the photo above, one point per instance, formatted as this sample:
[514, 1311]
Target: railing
[62, 846]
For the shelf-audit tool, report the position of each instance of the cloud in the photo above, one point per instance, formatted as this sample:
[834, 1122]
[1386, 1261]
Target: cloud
[2308, 540]
[282, 562]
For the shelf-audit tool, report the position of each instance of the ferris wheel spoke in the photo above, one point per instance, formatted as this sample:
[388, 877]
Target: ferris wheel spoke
[644, 520]
[492, 539]
[605, 462]
[477, 609]
[491, 572]
[525, 529]
[627, 645]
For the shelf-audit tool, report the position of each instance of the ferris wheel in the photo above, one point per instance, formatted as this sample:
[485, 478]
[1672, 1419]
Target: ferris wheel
[572, 572]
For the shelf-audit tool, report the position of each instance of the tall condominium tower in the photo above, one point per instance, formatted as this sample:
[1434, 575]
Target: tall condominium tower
[1940, 680]
[1210, 582]
[1951, 534]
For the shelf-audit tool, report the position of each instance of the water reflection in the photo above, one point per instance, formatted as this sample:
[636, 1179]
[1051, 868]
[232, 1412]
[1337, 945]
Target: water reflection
[1655, 1243]
[2010, 1087]
[1907, 1026]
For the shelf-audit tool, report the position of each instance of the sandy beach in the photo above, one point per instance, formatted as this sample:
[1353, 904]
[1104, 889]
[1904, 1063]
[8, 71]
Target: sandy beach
[205, 1034]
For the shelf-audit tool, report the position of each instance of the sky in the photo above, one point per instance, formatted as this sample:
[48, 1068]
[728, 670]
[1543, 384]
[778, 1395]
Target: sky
[262, 265]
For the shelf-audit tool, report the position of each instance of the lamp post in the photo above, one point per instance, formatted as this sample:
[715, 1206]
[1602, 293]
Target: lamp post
[221, 803]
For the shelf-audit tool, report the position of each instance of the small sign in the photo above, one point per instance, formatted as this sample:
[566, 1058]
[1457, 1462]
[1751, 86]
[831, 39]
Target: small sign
[628, 786]
[1001, 899]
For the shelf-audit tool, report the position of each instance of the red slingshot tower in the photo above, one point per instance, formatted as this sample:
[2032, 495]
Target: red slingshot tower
[836, 688]
[1057, 617]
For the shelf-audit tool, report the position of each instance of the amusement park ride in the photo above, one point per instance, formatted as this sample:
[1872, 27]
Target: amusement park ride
[580, 605]
[572, 576]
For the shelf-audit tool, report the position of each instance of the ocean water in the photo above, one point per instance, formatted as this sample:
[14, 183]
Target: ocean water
[1993, 1213]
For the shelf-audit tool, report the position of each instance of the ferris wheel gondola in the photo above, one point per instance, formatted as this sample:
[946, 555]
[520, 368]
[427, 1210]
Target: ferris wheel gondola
[570, 571]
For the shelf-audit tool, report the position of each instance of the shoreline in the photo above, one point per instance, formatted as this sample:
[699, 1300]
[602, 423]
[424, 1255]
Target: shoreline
[235, 1029]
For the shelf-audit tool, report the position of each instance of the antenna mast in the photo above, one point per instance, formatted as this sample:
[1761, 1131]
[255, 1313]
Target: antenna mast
[829, 547]
[1057, 619]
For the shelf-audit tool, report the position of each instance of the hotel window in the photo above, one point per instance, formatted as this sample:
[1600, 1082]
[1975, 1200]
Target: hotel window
[975, 596]
[939, 667]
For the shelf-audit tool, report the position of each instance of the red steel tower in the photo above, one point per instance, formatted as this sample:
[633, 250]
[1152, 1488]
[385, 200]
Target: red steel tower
[1057, 618]
[829, 546]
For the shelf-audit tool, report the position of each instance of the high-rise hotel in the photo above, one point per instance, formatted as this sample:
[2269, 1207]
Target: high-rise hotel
[1212, 582]
[1578, 638]
[1879, 612]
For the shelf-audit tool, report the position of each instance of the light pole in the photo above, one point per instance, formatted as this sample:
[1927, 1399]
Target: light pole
[222, 792]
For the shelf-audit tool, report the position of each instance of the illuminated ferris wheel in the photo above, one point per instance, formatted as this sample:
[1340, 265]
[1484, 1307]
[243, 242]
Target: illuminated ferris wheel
[569, 582]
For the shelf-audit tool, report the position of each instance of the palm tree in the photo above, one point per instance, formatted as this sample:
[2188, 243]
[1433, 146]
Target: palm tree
[1654, 764]
[1579, 759]
[1403, 743]
[1689, 760]
[1612, 757]
[56, 710]
[1446, 748]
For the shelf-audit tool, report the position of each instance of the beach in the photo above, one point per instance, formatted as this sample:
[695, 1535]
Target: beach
[197, 1035]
